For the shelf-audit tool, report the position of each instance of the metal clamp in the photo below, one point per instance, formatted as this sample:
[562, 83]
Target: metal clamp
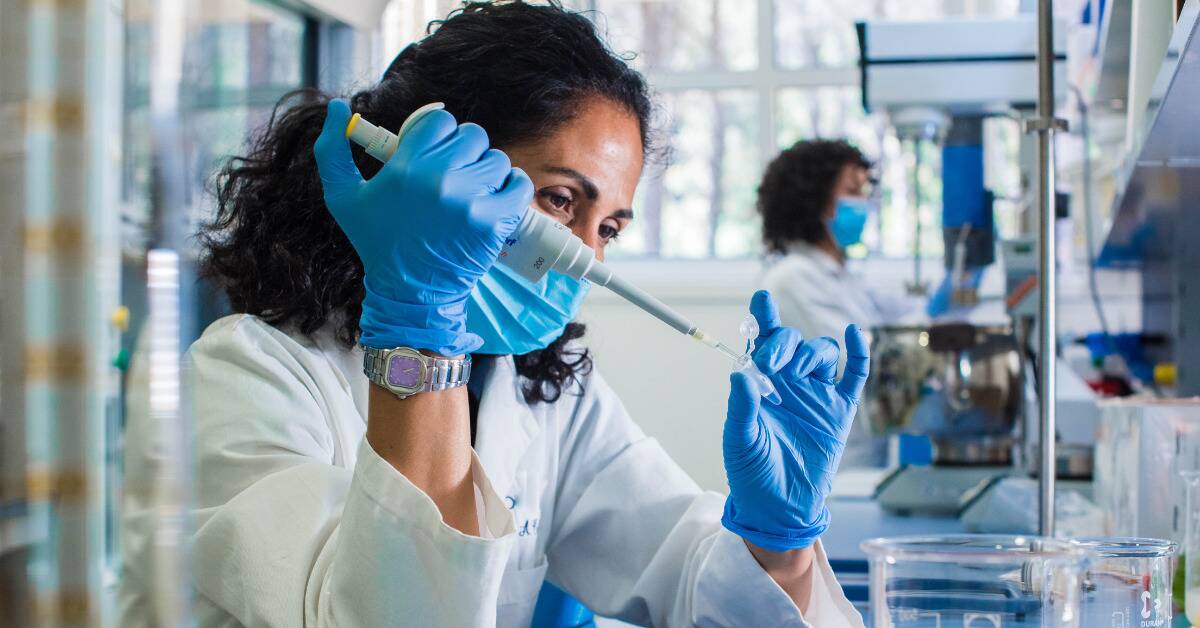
[1034, 125]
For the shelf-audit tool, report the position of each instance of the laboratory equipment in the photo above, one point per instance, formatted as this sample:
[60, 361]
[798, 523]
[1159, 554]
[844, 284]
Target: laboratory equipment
[1153, 217]
[960, 64]
[974, 581]
[961, 386]
[970, 70]
[1191, 546]
[1126, 582]
[541, 244]
[1141, 446]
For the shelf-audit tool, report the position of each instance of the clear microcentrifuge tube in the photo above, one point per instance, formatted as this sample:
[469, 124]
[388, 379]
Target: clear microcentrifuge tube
[742, 361]
[748, 329]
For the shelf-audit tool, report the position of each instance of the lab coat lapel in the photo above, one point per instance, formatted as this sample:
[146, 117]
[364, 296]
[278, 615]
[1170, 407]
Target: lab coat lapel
[506, 425]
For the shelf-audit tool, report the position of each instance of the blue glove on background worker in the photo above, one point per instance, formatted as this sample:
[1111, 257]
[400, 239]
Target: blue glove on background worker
[780, 459]
[426, 226]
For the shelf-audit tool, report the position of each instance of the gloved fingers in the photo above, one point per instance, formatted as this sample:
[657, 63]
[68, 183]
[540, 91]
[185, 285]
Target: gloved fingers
[858, 364]
[335, 164]
[513, 197]
[817, 357]
[430, 131]
[465, 147]
[777, 351]
[762, 307]
[741, 417]
[493, 168]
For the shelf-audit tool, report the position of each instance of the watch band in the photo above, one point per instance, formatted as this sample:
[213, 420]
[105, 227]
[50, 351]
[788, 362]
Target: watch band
[435, 374]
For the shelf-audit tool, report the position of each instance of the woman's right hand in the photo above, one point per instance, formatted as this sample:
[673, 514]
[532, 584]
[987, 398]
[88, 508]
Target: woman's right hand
[426, 227]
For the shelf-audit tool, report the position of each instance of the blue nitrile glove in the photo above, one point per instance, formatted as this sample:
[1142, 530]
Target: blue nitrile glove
[426, 227]
[780, 458]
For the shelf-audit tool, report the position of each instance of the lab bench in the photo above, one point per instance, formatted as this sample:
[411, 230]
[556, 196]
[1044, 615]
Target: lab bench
[856, 519]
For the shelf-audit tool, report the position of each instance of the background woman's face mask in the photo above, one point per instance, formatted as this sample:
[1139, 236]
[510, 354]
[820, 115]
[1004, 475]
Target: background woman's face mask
[849, 219]
[515, 316]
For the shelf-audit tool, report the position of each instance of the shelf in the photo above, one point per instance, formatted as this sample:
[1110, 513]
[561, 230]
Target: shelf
[1160, 179]
[1112, 79]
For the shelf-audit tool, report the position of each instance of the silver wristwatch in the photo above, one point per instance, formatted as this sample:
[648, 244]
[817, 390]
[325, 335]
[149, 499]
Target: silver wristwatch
[406, 372]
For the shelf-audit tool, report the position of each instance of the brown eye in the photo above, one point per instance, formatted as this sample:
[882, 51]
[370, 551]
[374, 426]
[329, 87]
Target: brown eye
[608, 232]
[557, 201]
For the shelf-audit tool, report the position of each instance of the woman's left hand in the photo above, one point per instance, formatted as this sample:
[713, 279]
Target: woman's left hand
[780, 458]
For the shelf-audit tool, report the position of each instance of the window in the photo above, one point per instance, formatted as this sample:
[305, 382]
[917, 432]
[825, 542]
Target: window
[241, 57]
[738, 81]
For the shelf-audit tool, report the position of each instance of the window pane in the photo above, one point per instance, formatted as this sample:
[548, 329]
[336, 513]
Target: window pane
[1001, 172]
[681, 34]
[406, 21]
[241, 57]
[701, 204]
[836, 112]
[820, 33]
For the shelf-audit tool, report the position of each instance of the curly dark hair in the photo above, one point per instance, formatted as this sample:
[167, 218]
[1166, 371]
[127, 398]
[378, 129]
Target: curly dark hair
[797, 188]
[520, 71]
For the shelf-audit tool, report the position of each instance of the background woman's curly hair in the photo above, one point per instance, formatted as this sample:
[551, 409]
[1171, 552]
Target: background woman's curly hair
[797, 188]
[520, 71]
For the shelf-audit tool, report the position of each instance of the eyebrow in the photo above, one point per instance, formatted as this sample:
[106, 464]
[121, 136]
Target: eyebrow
[589, 187]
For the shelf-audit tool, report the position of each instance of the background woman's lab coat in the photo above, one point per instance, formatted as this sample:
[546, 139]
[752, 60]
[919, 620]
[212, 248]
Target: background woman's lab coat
[300, 523]
[820, 296]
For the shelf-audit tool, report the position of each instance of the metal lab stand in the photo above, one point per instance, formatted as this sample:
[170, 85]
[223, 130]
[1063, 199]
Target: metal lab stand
[1045, 125]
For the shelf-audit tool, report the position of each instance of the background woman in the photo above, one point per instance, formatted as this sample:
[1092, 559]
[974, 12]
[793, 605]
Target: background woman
[814, 199]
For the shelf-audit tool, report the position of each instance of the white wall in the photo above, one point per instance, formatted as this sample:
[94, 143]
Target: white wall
[676, 388]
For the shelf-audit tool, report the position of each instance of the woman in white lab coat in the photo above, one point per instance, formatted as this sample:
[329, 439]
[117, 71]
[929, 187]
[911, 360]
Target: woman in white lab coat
[814, 199]
[330, 497]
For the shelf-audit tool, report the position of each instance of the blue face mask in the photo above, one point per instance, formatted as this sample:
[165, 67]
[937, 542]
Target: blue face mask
[849, 219]
[515, 316]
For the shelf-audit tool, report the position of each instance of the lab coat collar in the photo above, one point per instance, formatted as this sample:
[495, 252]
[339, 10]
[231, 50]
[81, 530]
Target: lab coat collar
[818, 256]
[506, 425]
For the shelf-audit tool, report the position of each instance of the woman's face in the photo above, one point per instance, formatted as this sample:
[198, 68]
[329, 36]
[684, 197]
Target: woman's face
[853, 181]
[585, 174]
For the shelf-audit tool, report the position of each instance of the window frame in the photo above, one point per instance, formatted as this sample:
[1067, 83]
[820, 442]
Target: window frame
[765, 80]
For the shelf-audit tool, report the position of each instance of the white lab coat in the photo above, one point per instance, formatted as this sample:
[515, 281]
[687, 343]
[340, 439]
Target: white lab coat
[820, 296]
[301, 523]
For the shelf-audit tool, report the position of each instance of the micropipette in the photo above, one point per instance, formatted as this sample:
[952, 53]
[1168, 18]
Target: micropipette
[541, 244]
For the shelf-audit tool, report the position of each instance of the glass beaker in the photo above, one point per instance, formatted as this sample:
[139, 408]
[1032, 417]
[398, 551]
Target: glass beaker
[1126, 582]
[974, 581]
[1191, 547]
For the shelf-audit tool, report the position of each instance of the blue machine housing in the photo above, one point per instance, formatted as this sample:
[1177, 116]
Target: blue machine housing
[966, 204]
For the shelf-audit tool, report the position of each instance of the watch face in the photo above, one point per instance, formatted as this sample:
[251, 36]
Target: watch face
[404, 371]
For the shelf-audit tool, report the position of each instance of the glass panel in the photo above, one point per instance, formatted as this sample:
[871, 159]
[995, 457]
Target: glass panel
[241, 56]
[244, 57]
[405, 21]
[701, 204]
[681, 34]
[820, 34]
[836, 112]
[1002, 172]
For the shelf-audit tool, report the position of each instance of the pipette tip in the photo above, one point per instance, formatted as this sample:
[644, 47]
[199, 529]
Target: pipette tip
[738, 358]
